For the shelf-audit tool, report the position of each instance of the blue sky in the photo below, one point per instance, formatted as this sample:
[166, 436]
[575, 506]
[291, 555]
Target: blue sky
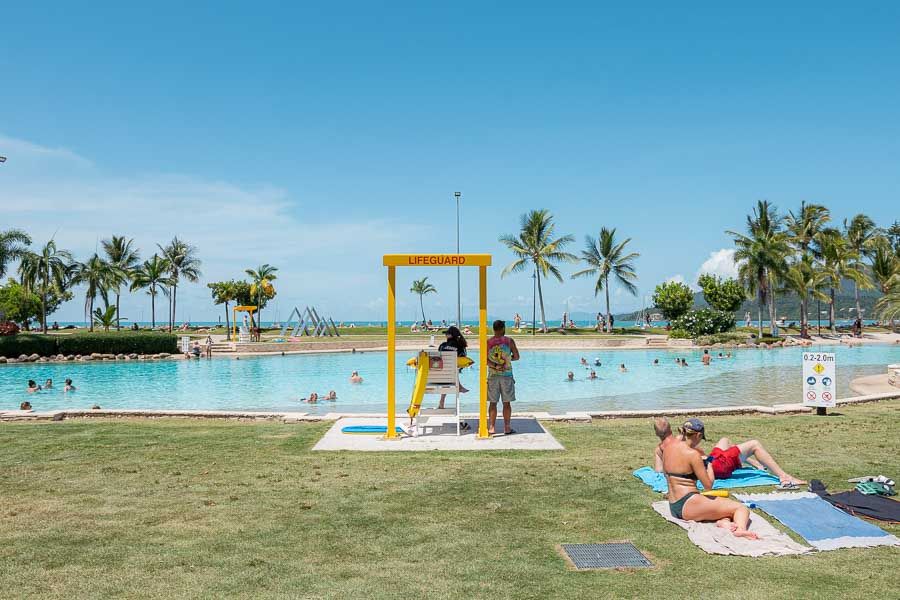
[317, 137]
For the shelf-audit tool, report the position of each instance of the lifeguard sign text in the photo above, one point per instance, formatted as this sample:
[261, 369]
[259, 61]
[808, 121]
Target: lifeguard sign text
[437, 260]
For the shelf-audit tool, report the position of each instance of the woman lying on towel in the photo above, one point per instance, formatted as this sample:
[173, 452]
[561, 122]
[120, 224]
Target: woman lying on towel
[684, 466]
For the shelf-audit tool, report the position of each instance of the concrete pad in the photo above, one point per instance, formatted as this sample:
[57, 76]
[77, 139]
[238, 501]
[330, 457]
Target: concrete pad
[530, 435]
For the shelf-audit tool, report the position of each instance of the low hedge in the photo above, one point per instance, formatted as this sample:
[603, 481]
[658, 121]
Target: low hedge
[88, 343]
[14, 346]
[118, 343]
[729, 337]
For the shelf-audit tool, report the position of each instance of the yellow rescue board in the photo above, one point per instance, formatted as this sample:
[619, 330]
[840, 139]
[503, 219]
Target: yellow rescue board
[461, 362]
[415, 403]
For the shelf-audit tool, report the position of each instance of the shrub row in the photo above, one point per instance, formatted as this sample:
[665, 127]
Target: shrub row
[704, 321]
[88, 343]
[16, 345]
[729, 337]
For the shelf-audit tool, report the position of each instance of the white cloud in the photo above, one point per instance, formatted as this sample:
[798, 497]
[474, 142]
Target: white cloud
[53, 192]
[28, 153]
[677, 278]
[720, 262]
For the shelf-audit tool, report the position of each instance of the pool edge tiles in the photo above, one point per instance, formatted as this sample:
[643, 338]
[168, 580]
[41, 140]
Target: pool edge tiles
[300, 417]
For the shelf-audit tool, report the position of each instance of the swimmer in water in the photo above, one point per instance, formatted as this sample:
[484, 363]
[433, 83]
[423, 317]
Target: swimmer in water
[570, 376]
[593, 374]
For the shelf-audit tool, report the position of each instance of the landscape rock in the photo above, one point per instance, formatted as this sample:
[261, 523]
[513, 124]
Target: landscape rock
[120, 357]
[70, 357]
[23, 357]
[96, 355]
[2, 360]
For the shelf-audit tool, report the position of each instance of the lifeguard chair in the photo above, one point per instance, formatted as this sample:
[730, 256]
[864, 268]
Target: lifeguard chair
[442, 378]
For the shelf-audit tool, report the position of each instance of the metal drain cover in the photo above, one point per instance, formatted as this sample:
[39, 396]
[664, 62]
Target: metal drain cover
[606, 556]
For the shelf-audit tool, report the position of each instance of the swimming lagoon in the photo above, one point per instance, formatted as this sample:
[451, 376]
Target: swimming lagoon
[276, 383]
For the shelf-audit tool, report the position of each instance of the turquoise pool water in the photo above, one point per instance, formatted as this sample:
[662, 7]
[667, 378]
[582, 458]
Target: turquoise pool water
[278, 382]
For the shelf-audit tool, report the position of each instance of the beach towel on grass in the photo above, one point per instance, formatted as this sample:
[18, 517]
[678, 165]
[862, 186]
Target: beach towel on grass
[743, 477]
[818, 522]
[717, 540]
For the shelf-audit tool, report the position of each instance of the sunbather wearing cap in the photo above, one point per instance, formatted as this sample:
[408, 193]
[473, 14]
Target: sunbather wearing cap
[727, 457]
[683, 467]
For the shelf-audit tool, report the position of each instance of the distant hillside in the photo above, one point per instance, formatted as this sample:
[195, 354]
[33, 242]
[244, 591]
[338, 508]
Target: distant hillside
[788, 305]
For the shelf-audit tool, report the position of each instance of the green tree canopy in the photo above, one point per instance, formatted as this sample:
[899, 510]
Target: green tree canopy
[673, 299]
[722, 294]
[21, 306]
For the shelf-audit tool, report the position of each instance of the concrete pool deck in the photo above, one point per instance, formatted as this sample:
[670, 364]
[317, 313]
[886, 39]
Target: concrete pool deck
[530, 435]
[291, 417]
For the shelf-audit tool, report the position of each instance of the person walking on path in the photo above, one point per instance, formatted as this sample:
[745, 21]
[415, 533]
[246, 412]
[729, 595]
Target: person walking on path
[501, 386]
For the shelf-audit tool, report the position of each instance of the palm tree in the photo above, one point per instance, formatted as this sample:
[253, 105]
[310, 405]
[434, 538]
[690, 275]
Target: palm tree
[839, 262]
[803, 278]
[893, 233]
[606, 256]
[804, 229]
[105, 318]
[888, 306]
[124, 258]
[13, 246]
[885, 267]
[152, 275]
[860, 232]
[98, 277]
[535, 244]
[46, 271]
[182, 262]
[260, 279]
[422, 287]
[224, 292]
[805, 226]
[884, 263]
[760, 254]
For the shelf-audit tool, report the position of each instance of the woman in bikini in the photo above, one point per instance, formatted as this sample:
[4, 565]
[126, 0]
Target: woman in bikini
[683, 467]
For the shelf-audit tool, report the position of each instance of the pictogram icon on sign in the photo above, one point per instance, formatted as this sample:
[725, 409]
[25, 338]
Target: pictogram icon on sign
[819, 368]
[811, 380]
[826, 381]
[810, 395]
[826, 396]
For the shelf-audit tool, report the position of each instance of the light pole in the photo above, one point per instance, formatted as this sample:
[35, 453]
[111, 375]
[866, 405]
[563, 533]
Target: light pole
[458, 300]
[533, 300]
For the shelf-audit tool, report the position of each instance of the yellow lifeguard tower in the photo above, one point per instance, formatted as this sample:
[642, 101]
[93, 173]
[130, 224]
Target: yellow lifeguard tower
[234, 312]
[392, 261]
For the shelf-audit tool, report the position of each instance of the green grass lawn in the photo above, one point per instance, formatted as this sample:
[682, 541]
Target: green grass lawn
[191, 508]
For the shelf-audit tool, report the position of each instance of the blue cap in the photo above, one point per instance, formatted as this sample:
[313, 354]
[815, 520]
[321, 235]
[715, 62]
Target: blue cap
[695, 426]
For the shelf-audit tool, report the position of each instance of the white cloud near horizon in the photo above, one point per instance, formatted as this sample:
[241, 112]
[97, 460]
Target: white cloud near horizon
[54, 192]
[721, 263]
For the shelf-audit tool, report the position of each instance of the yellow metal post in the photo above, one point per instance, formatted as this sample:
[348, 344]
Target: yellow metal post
[482, 353]
[391, 432]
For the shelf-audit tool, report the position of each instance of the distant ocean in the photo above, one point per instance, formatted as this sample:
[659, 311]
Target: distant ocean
[552, 324]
